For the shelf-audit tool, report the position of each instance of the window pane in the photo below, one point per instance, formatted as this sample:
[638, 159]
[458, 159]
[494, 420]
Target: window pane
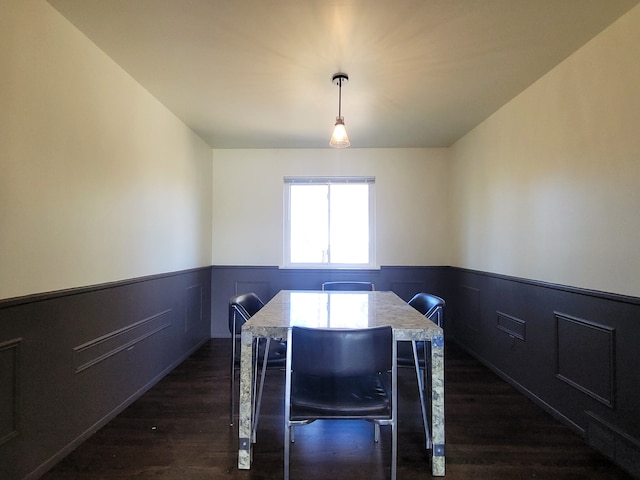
[349, 226]
[309, 223]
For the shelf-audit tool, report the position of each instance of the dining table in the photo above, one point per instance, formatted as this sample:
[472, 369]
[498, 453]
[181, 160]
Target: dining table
[323, 309]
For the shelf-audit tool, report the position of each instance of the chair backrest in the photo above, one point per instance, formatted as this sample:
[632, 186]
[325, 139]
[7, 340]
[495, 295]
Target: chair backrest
[428, 305]
[341, 352]
[347, 286]
[242, 308]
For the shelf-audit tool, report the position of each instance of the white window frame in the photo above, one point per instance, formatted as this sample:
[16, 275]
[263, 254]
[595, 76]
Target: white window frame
[370, 181]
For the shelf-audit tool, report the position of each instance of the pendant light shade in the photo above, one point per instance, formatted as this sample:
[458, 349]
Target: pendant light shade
[339, 139]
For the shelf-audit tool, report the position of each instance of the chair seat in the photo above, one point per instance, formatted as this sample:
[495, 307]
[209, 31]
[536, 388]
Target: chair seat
[339, 397]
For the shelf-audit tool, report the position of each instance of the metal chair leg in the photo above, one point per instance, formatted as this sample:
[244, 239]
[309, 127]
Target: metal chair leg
[254, 427]
[423, 406]
[394, 408]
[287, 442]
[232, 382]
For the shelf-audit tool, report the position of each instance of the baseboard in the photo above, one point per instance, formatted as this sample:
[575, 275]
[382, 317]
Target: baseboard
[525, 391]
[614, 444]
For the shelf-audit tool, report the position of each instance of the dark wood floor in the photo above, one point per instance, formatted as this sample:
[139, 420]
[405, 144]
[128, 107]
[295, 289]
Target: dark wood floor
[179, 430]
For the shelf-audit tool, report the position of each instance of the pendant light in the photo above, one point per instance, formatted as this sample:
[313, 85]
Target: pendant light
[339, 139]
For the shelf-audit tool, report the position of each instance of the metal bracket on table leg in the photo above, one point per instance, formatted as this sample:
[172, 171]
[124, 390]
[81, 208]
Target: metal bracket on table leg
[245, 444]
[438, 450]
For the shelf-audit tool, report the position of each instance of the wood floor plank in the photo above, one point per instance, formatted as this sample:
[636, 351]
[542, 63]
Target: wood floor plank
[179, 430]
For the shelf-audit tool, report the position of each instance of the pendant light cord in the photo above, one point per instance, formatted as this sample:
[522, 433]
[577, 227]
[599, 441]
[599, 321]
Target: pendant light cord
[340, 97]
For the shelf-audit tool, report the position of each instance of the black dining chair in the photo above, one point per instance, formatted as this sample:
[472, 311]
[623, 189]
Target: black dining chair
[341, 374]
[349, 286]
[273, 353]
[416, 354]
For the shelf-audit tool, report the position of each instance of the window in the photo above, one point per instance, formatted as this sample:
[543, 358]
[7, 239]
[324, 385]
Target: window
[329, 222]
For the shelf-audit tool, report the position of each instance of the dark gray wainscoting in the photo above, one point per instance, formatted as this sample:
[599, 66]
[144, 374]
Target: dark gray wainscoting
[574, 352]
[267, 281]
[71, 360]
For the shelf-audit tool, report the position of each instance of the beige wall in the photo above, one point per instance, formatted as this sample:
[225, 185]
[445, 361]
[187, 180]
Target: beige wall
[412, 220]
[548, 188]
[98, 180]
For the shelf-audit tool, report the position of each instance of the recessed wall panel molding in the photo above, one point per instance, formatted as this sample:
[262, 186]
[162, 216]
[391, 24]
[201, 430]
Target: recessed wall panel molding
[127, 336]
[9, 376]
[193, 307]
[95, 351]
[512, 326]
[586, 357]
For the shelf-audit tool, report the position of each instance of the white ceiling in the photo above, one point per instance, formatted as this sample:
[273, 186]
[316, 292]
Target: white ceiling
[257, 73]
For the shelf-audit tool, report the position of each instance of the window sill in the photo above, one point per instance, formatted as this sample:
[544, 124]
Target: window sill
[329, 267]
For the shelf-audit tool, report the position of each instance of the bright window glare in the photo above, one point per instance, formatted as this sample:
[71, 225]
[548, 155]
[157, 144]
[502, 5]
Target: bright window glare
[309, 223]
[335, 310]
[349, 226]
[329, 223]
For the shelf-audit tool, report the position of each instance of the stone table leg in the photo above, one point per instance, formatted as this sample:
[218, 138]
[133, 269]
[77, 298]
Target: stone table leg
[245, 455]
[437, 405]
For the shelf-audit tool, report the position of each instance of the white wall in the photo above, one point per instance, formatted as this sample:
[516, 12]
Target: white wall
[411, 189]
[98, 181]
[548, 187]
